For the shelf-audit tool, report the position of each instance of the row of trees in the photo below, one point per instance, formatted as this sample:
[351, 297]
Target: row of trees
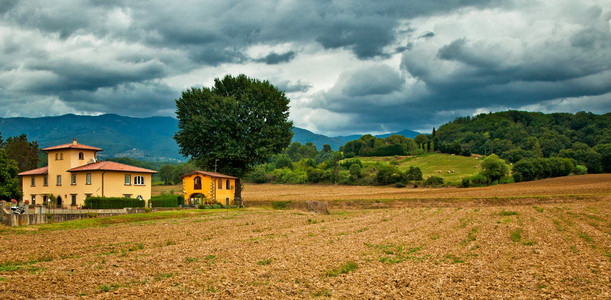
[369, 145]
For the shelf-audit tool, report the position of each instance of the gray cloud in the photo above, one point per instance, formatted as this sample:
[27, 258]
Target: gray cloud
[397, 64]
[273, 58]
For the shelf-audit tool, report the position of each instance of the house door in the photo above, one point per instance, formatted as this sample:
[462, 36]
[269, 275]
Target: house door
[227, 201]
[59, 201]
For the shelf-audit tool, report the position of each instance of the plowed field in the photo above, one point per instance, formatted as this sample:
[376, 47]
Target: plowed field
[541, 250]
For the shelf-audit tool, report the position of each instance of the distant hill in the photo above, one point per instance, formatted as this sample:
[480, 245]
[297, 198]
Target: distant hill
[148, 139]
[139, 138]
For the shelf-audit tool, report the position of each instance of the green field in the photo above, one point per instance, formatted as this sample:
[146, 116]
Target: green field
[436, 164]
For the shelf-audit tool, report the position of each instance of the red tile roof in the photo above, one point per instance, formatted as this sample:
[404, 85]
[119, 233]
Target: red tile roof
[72, 146]
[39, 171]
[211, 174]
[110, 166]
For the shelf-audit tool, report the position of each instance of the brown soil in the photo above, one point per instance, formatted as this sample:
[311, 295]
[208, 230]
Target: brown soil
[589, 185]
[503, 251]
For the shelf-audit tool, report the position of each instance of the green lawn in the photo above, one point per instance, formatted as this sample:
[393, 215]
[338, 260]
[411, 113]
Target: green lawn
[433, 163]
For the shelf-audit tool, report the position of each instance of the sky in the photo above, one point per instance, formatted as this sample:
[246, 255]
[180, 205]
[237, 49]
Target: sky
[349, 67]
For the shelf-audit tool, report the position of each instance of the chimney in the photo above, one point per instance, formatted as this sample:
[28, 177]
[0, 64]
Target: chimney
[73, 141]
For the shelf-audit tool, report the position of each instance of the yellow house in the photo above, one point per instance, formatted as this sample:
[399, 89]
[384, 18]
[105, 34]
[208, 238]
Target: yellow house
[201, 187]
[73, 173]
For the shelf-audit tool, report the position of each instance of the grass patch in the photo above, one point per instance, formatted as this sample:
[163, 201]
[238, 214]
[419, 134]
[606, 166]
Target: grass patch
[281, 204]
[9, 267]
[516, 235]
[454, 259]
[322, 293]
[508, 213]
[107, 221]
[345, 268]
[539, 209]
[264, 262]
[585, 237]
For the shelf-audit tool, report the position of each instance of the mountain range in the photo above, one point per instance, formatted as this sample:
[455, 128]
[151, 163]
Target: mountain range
[140, 138]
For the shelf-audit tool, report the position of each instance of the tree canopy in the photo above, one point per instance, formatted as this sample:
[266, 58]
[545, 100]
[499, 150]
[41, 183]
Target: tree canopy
[233, 125]
[10, 186]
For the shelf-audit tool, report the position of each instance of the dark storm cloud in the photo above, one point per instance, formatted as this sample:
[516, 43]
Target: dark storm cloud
[129, 57]
[467, 75]
[273, 58]
[291, 87]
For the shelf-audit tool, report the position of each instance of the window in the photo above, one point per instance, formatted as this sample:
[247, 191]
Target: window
[73, 199]
[73, 179]
[127, 195]
[227, 185]
[61, 156]
[128, 179]
[33, 200]
[220, 185]
[197, 183]
[56, 156]
[45, 181]
[138, 180]
[59, 179]
[81, 156]
[88, 178]
[88, 195]
[33, 183]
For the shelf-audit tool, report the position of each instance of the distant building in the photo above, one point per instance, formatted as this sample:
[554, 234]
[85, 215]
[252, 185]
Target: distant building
[73, 173]
[201, 187]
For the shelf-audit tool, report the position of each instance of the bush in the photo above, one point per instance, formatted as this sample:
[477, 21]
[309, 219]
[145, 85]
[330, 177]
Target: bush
[165, 201]
[493, 168]
[112, 202]
[433, 181]
[280, 204]
[581, 170]
[347, 164]
[390, 174]
[465, 183]
[259, 175]
[414, 174]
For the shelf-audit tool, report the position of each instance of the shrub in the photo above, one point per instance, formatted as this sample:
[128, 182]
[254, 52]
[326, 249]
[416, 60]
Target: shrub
[201, 206]
[465, 183]
[478, 180]
[112, 202]
[433, 181]
[165, 201]
[414, 174]
[347, 164]
[280, 204]
[493, 168]
[580, 170]
[389, 175]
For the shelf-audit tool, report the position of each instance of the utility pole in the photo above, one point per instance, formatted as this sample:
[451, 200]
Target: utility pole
[215, 161]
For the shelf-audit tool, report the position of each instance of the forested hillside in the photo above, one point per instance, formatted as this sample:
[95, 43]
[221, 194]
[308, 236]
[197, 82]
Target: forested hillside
[513, 135]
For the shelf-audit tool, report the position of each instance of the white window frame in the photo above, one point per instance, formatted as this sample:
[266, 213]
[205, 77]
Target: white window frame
[59, 180]
[73, 179]
[88, 178]
[128, 179]
[138, 180]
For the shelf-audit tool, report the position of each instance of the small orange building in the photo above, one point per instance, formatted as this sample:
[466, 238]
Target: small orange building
[200, 187]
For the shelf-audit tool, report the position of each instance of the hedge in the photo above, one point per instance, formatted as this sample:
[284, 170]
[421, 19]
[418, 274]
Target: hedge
[112, 202]
[167, 201]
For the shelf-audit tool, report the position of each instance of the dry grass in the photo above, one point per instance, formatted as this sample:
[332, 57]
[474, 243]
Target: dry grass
[560, 252]
[588, 185]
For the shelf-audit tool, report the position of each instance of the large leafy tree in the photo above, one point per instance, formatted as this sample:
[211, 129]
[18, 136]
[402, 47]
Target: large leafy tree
[233, 125]
[23, 152]
[10, 187]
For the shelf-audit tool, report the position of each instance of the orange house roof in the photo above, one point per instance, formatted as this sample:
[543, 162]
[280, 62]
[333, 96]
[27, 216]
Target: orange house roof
[110, 166]
[211, 174]
[72, 146]
[39, 171]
